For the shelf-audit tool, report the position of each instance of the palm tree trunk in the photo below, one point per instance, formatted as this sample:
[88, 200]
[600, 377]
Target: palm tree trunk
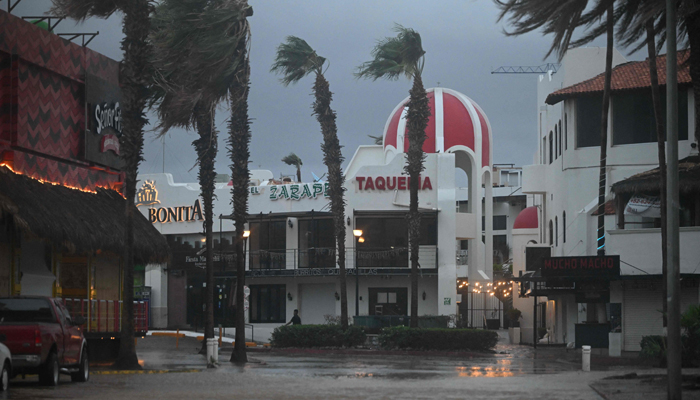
[333, 158]
[661, 140]
[298, 174]
[604, 132]
[239, 152]
[692, 24]
[206, 146]
[133, 81]
[417, 121]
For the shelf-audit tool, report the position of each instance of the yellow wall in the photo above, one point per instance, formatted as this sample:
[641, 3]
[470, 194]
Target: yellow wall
[106, 276]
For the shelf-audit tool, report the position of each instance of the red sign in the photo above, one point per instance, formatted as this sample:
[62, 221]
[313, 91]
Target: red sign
[109, 143]
[585, 266]
[391, 183]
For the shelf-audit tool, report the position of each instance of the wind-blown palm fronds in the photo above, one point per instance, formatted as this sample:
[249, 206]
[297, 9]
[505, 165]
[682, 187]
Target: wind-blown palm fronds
[196, 63]
[378, 140]
[392, 58]
[293, 159]
[296, 59]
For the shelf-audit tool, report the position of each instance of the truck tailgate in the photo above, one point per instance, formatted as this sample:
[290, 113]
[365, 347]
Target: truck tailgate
[21, 338]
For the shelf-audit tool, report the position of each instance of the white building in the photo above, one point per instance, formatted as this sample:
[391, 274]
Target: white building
[291, 252]
[563, 186]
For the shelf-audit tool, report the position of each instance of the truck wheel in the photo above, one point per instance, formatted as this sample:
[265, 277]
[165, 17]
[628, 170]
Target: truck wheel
[83, 372]
[49, 371]
[5, 377]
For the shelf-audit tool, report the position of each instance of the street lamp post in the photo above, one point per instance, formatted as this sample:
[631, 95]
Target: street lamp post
[357, 233]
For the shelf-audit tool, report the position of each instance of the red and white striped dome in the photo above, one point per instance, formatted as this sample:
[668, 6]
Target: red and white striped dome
[456, 123]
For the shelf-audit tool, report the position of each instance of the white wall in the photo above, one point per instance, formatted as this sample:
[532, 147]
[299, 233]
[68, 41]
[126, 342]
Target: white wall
[157, 279]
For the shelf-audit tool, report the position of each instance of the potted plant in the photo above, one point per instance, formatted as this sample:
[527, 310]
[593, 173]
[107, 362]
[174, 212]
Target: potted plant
[514, 316]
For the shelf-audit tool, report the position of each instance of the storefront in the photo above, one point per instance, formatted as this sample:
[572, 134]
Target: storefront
[291, 253]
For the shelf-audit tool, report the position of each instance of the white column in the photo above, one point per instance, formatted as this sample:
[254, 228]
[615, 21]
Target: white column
[157, 279]
[446, 245]
[488, 211]
[475, 254]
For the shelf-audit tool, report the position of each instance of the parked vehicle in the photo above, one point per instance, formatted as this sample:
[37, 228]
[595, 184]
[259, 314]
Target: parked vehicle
[44, 339]
[6, 362]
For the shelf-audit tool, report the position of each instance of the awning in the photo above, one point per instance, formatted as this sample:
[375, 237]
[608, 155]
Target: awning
[80, 221]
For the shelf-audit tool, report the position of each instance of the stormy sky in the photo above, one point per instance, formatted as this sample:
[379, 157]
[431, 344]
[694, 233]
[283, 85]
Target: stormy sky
[463, 41]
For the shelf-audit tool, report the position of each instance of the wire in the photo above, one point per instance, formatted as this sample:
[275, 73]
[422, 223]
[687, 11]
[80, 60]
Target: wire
[639, 269]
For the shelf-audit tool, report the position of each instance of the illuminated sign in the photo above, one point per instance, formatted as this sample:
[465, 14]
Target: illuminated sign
[176, 214]
[108, 116]
[147, 195]
[391, 183]
[299, 191]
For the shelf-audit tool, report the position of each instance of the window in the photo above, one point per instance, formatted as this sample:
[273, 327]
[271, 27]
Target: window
[551, 233]
[560, 137]
[388, 301]
[588, 119]
[566, 132]
[544, 150]
[499, 223]
[563, 226]
[316, 243]
[386, 240]
[556, 231]
[556, 155]
[268, 303]
[633, 117]
[551, 154]
[268, 243]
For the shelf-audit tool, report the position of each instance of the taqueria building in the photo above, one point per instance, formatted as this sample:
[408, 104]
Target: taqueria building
[291, 251]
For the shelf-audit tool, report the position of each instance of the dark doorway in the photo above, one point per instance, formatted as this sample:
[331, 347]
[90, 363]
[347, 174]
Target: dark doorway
[388, 301]
[268, 303]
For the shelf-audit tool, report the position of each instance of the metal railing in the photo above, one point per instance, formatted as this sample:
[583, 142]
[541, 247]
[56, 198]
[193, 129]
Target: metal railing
[105, 315]
[325, 257]
[462, 257]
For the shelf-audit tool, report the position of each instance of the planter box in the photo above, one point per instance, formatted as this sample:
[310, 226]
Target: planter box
[514, 335]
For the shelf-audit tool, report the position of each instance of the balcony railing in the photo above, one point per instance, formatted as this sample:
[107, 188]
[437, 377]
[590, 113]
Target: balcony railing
[324, 257]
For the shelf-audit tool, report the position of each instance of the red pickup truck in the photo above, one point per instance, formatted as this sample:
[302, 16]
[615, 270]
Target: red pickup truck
[43, 338]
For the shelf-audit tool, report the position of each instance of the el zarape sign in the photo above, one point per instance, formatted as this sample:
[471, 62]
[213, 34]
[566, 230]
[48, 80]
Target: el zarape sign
[299, 191]
[391, 183]
[584, 266]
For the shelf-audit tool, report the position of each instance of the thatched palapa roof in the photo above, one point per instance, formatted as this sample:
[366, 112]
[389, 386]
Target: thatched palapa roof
[649, 181]
[80, 221]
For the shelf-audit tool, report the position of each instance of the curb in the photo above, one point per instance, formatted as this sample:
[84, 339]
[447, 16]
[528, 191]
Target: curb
[145, 371]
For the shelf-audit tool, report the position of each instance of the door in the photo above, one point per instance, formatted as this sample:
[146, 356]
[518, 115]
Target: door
[388, 301]
[317, 301]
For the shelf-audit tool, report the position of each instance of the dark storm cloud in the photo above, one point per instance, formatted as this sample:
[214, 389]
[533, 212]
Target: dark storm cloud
[463, 44]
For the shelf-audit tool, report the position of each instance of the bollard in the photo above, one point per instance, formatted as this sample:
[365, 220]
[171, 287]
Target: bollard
[586, 359]
[219, 335]
[212, 351]
[177, 339]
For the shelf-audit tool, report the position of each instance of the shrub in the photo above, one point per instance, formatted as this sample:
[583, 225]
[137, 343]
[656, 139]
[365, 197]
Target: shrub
[654, 347]
[401, 337]
[317, 336]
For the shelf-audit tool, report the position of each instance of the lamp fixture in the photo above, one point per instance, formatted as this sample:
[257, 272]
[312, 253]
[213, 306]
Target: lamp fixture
[290, 223]
[337, 296]
[424, 295]
[289, 296]
[357, 232]
[361, 239]
[349, 221]
[246, 234]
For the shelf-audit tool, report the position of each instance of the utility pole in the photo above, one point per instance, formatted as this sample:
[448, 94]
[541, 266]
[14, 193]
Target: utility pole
[672, 207]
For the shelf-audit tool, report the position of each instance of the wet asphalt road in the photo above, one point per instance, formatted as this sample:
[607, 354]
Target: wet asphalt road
[517, 375]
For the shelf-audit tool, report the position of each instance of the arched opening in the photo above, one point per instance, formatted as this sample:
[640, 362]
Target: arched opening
[556, 154]
[560, 137]
[556, 231]
[551, 149]
[566, 132]
[551, 233]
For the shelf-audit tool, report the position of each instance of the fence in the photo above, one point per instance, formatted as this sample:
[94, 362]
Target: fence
[105, 315]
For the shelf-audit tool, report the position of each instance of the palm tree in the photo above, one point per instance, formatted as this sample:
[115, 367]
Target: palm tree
[394, 57]
[293, 159]
[238, 148]
[378, 140]
[134, 83]
[296, 59]
[196, 64]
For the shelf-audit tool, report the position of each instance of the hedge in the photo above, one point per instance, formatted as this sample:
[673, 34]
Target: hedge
[401, 337]
[317, 336]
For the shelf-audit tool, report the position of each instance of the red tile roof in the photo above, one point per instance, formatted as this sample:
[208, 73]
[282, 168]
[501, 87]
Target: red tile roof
[627, 76]
[609, 208]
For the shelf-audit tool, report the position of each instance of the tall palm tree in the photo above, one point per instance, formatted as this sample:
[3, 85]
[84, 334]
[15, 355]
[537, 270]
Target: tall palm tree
[394, 57]
[134, 81]
[293, 159]
[239, 152]
[196, 63]
[378, 140]
[296, 59]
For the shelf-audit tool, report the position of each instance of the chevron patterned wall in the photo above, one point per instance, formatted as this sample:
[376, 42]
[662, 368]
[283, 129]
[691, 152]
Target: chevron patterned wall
[42, 104]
